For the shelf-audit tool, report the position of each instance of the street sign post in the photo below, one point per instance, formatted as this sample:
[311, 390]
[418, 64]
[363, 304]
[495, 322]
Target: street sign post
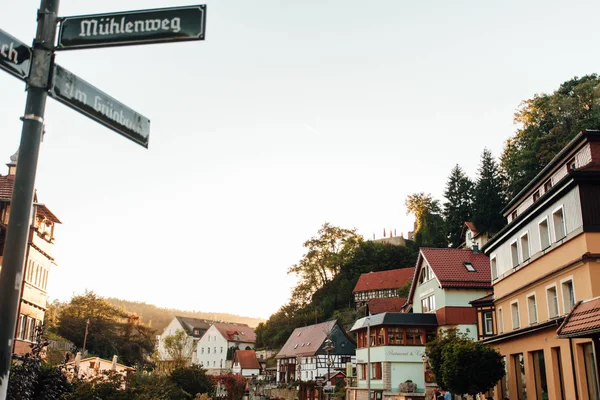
[15, 56]
[78, 94]
[171, 24]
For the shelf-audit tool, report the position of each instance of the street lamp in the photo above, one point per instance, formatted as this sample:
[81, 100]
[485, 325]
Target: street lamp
[328, 348]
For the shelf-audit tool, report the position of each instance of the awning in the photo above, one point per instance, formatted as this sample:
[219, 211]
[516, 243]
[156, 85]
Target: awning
[583, 321]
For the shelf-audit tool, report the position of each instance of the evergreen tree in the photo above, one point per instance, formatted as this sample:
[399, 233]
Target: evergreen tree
[457, 208]
[489, 198]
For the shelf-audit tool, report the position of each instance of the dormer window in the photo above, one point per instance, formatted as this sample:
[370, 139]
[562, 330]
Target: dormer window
[572, 164]
[469, 266]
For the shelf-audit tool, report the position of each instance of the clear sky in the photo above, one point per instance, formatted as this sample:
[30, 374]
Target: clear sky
[290, 114]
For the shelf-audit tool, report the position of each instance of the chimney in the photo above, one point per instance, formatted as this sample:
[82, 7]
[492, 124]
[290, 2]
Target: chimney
[475, 248]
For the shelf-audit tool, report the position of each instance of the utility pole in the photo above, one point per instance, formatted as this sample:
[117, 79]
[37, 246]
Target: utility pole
[87, 324]
[15, 248]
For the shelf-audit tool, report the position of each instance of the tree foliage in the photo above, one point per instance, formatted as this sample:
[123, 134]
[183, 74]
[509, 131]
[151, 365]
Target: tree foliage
[547, 123]
[462, 365]
[178, 347]
[110, 331]
[234, 384]
[430, 226]
[489, 197]
[458, 205]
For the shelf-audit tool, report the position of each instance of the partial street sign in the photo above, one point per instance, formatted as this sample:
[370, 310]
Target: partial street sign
[78, 94]
[171, 24]
[15, 56]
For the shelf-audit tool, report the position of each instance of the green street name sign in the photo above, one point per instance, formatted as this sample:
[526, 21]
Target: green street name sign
[76, 93]
[171, 24]
[15, 56]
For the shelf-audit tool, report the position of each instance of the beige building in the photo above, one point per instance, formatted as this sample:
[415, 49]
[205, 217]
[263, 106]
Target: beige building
[544, 263]
[39, 260]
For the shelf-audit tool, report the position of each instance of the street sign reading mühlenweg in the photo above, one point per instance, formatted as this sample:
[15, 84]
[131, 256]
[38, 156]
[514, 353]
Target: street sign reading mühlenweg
[15, 56]
[91, 101]
[133, 27]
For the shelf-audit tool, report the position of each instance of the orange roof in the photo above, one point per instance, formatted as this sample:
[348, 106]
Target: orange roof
[244, 332]
[246, 358]
[390, 279]
[583, 320]
[392, 304]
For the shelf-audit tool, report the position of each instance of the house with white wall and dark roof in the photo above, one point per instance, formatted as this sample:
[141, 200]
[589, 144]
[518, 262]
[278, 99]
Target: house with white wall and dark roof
[304, 357]
[193, 328]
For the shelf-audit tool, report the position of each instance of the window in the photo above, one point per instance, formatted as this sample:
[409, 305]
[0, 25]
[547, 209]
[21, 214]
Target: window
[494, 268]
[376, 370]
[514, 254]
[201, 350]
[557, 363]
[208, 350]
[22, 326]
[381, 337]
[414, 336]
[428, 304]
[532, 309]
[590, 371]
[547, 185]
[552, 301]
[215, 350]
[373, 335]
[500, 321]
[525, 247]
[426, 274]
[209, 338]
[222, 350]
[558, 222]
[536, 195]
[572, 164]
[568, 293]
[395, 336]
[514, 312]
[519, 364]
[469, 266]
[539, 373]
[544, 233]
[488, 323]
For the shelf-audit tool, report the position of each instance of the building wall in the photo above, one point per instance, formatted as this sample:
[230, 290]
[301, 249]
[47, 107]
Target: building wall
[426, 289]
[212, 339]
[462, 297]
[405, 362]
[169, 330]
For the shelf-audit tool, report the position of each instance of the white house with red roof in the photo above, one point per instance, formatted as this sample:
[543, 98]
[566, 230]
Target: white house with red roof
[446, 281]
[212, 348]
[474, 237]
[245, 363]
[381, 284]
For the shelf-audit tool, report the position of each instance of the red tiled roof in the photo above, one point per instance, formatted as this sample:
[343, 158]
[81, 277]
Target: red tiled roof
[244, 332]
[7, 183]
[392, 304]
[247, 359]
[393, 278]
[306, 341]
[584, 319]
[449, 268]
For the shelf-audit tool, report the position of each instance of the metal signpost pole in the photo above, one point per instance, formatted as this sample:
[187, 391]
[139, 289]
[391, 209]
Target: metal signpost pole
[15, 248]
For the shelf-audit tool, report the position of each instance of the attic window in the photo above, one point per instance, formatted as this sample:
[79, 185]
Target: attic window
[308, 344]
[469, 266]
[298, 334]
[302, 344]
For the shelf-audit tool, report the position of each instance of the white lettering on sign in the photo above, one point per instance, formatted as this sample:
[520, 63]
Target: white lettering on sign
[104, 107]
[112, 26]
[425, 293]
[7, 50]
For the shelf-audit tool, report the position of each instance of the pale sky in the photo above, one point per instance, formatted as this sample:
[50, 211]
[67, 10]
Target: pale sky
[290, 114]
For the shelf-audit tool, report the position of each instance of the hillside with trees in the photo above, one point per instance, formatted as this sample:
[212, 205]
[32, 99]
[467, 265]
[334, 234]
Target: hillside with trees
[158, 317]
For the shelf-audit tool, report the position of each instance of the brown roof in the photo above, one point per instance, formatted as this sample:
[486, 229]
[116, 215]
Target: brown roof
[448, 265]
[392, 304]
[582, 321]
[307, 340]
[391, 279]
[45, 212]
[229, 331]
[7, 183]
[247, 359]
[485, 300]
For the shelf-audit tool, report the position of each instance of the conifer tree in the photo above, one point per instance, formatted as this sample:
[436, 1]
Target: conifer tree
[489, 198]
[457, 208]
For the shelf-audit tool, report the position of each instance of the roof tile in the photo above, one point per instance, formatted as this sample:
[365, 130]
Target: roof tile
[448, 265]
[584, 318]
[247, 359]
[392, 304]
[390, 279]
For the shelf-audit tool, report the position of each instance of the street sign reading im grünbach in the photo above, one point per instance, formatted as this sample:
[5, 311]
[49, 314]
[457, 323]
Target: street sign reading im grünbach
[73, 91]
[15, 56]
[171, 24]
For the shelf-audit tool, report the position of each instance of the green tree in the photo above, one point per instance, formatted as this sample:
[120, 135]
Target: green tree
[179, 348]
[458, 204]
[489, 198]
[193, 380]
[325, 254]
[430, 227]
[546, 124]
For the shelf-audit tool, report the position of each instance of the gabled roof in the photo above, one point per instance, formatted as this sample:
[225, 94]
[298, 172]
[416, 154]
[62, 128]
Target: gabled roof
[396, 319]
[246, 358]
[391, 279]
[391, 304]
[582, 321]
[243, 332]
[189, 324]
[449, 268]
[307, 340]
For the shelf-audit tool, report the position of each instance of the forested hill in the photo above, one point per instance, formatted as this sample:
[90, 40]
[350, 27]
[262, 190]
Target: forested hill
[160, 317]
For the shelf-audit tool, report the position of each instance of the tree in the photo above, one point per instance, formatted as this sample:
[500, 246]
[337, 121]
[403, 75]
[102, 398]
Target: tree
[457, 208]
[322, 261]
[430, 229]
[193, 380]
[547, 123]
[462, 365]
[404, 290]
[489, 198]
[179, 348]
[235, 385]
[110, 331]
